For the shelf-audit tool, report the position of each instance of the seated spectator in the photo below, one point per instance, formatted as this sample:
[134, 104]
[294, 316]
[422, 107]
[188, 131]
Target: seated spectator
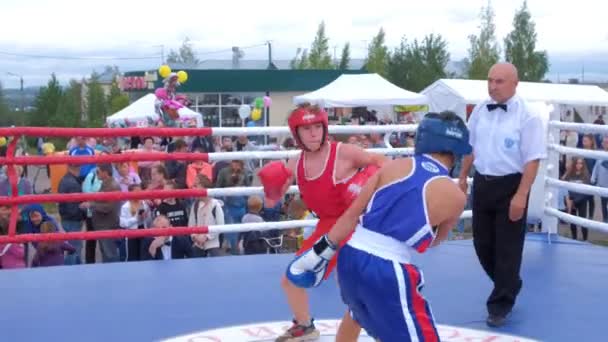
[196, 168]
[253, 241]
[51, 253]
[165, 247]
[12, 255]
[35, 216]
[206, 211]
[298, 211]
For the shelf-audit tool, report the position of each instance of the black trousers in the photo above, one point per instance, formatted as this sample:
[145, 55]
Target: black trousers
[498, 241]
[90, 245]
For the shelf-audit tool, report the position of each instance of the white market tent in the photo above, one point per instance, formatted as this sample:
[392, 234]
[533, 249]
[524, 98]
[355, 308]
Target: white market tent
[456, 94]
[362, 90]
[142, 111]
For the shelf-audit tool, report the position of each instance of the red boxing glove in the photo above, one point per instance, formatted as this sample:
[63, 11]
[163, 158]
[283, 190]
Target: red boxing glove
[273, 177]
[356, 183]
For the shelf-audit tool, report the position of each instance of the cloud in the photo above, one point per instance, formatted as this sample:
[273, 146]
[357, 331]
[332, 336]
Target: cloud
[131, 28]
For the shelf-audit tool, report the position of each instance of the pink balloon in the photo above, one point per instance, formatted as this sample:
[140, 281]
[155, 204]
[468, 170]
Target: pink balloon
[267, 101]
[161, 93]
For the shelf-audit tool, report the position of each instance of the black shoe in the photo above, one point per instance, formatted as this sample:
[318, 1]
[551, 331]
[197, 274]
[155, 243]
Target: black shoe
[496, 321]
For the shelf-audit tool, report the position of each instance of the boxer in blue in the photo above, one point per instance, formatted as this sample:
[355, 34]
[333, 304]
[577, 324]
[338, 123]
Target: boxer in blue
[408, 206]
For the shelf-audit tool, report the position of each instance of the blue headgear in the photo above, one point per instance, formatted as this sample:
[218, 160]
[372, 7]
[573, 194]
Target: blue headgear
[445, 132]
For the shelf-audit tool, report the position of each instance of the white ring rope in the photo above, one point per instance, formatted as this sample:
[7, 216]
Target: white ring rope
[579, 188]
[579, 127]
[253, 155]
[575, 187]
[581, 152]
[586, 223]
[258, 190]
[280, 225]
[333, 129]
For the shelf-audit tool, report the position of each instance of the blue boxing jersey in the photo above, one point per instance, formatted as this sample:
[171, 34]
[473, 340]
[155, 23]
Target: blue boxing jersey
[398, 210]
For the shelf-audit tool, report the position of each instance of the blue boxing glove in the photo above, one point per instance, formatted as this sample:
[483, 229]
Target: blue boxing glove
[308, 269]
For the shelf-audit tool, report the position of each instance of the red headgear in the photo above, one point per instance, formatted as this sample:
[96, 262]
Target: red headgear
[307, 116]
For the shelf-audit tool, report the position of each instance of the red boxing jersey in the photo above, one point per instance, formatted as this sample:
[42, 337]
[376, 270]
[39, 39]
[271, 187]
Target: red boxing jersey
[321, 194]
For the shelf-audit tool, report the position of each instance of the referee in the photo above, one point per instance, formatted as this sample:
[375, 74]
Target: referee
[508, 143]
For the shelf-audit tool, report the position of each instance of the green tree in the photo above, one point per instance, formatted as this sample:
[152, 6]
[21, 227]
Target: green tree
[185, 55]
[318, 56]
[47, 103]
[345, 59]
[116, 100]
[484, 51]
[520, 47]
[377, 55]
[69, 110]
[95, 102]
[416, 65]
[3, 106]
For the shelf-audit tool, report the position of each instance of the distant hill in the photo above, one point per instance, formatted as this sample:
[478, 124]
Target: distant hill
[13, 97]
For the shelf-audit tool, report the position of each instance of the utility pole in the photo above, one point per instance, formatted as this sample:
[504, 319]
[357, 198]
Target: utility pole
[22, 97]
[162, 53]
[271, 65]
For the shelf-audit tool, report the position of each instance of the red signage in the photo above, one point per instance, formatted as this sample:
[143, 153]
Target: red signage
[133, 83]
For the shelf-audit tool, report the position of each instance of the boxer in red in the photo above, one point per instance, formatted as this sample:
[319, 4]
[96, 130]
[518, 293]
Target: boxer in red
[329, 176]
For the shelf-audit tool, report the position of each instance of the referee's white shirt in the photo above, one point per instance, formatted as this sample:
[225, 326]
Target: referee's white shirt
[503, 142]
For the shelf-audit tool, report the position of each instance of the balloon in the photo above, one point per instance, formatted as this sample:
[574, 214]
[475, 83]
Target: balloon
[164, 71]
[267, 101]
[256, 114]
[182, 76]
[2, 141]
[161, 93]
[244, 111]
[251, 123]
[259, 102]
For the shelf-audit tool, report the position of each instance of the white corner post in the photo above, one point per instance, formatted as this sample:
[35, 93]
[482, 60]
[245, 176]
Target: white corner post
[550, 223]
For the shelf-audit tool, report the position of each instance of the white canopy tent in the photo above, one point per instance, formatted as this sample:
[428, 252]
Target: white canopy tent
[142, 112]
[362, 90]
[456, 94]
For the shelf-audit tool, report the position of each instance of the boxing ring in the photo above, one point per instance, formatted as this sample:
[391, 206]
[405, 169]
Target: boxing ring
[239, 298]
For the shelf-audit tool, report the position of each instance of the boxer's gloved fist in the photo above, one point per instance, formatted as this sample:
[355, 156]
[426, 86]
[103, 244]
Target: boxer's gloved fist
[308, 269]
[356, 183]
[273, 177]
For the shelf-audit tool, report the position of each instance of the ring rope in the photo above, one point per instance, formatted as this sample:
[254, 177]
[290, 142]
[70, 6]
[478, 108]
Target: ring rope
[153, 232]
[585, 128]
[595, 225]
[579, 188]
[204, 131]
[163, 156]
[581, 152]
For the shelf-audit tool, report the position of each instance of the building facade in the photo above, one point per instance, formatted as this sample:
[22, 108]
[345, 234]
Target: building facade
[218, 94]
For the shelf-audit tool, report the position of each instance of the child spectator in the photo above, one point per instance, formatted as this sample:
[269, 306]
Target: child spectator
[12, 255]
[51, 253]
[253, 242]
[173, 209]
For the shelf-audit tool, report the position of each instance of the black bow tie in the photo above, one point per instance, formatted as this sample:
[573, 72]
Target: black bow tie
[493, 106]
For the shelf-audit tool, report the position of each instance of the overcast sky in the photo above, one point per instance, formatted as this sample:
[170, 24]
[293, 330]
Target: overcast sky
[113, 28]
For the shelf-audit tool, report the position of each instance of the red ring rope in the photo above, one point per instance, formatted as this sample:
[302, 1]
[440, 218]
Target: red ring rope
[103, 196]
[110, 158]
[14, 200]
[103, 132]
[104, 234]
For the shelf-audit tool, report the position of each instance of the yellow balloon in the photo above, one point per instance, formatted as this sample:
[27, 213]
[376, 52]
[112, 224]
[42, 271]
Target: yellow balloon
[164, 71]
[48, 148]
[182, 76]
[256, 114]
[2, 141]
